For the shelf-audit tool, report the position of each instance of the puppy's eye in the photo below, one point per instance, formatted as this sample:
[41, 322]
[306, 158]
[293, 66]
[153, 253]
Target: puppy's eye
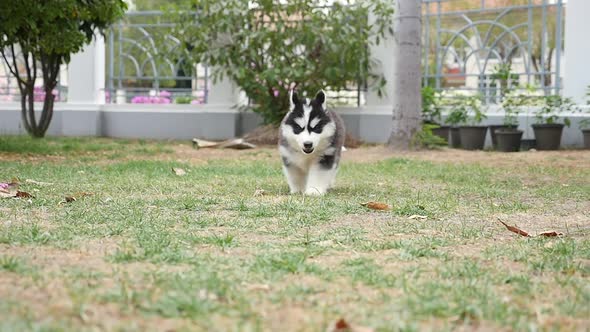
[297, 128]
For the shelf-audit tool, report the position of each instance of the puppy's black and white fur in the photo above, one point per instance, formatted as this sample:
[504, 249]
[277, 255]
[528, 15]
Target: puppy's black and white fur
[310, 143]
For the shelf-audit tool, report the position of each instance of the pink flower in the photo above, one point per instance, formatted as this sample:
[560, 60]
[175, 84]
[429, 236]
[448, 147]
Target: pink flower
[196, 102]
[151, 100]
[139, 100]
[39, 94]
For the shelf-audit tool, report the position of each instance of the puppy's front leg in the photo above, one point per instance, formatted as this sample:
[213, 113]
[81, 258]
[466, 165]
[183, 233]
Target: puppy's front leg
[319, 180]
[295, 178]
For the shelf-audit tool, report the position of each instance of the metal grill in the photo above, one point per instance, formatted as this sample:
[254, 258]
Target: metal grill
[489, 47]
[9, 91]
[139, 71]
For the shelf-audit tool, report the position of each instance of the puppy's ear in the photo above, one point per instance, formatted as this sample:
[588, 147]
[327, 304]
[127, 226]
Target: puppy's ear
[293, 99]
[320, 97]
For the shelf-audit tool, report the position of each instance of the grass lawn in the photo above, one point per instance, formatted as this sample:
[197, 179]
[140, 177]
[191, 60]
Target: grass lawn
[151, 250]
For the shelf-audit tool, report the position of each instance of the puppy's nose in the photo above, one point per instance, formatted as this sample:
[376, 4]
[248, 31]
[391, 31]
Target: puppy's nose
[307, 145]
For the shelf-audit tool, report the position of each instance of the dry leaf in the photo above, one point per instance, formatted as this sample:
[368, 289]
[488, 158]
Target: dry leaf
[515, 229]
[38, 182]
[259, 192]
[23, 194]
[10, 190]
[525, 233]
[178, 171]
[75, 197]
[6, 194]
[9, 186]
[550, 234]
[417, 216]
[69, 199]
[342, 325]
[376, 206]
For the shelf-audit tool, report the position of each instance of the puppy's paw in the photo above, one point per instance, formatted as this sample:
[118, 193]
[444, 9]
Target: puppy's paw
[314, 192]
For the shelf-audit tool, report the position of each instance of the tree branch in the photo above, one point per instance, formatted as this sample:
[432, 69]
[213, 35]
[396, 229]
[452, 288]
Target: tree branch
[14, 71]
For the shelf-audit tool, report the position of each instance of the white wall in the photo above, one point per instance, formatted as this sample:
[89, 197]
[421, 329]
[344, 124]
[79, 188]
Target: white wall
[577, 49]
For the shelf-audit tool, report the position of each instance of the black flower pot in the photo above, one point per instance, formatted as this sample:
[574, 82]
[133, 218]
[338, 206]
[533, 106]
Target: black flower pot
[442, 132]
[508, 139]
[586, 133]
[493, 129]
[455, 139]
[473, 137]
[527, 144]
[548, 136]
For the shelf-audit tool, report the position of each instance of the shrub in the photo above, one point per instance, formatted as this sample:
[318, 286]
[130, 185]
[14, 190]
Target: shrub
[267, 47]
[431, 109]
[553, 108]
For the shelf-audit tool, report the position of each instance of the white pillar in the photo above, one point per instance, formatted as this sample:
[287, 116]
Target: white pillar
[223, 92]
[382, 53]
[577, 50]
[86, 74]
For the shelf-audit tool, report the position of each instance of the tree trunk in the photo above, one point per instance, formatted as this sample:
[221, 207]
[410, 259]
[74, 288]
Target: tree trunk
[407, 73]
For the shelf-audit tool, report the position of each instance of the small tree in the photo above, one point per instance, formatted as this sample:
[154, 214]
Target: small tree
[44, 34]
[267, 47]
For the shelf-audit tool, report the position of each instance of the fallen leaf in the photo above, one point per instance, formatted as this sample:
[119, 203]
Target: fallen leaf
[23, 194]
[515, 229]
[527, 234]
[9, 185]
[550, 234]
[75, 197]
[178, 171]
[376, 206]
[342, 325]
[69, 199]
[417, 216]
[259, 192]
[10, 190]
[39, 183]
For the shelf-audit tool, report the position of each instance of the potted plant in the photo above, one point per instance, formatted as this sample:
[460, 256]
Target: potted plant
[431, 113]
[473, 135]
[507, 136]
[585, 127]
[510, 106]
[549, 126]
[457, 116]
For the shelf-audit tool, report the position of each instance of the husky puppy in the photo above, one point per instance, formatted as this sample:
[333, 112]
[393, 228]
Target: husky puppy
[310, 142]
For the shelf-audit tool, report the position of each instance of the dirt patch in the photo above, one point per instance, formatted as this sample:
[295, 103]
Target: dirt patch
[566, 159]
